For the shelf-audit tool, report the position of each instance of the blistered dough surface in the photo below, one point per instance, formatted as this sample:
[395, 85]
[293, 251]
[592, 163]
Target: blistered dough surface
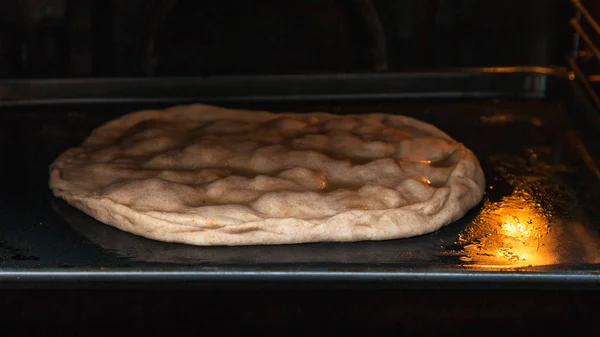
[204, 175]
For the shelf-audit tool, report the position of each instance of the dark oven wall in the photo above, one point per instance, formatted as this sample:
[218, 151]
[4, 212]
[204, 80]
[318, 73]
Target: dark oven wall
[66, 38]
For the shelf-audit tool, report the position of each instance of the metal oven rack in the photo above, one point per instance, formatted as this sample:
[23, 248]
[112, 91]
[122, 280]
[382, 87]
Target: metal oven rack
[585, 56]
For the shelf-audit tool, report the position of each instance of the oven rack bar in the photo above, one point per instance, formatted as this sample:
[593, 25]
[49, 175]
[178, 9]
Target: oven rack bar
[585, 56]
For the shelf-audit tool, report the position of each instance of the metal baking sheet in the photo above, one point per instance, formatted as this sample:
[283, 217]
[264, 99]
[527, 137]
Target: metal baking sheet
[538, 225]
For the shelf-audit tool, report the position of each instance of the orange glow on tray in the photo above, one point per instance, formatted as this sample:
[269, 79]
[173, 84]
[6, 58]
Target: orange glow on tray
[513, 232]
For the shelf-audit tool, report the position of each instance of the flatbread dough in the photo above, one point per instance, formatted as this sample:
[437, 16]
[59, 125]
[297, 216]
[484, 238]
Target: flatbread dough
[205, 175]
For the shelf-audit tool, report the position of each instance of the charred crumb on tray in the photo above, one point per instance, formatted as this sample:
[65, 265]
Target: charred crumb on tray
[17, 254]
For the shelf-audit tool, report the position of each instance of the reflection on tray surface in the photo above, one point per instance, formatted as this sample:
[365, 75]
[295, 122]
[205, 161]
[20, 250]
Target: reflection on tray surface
[513, 232]
[535, 224]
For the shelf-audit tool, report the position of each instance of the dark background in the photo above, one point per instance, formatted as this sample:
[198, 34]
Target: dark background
[315, 312]
[67, 38]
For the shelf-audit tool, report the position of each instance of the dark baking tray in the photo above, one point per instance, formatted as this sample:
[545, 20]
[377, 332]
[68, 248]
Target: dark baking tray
[534, 130]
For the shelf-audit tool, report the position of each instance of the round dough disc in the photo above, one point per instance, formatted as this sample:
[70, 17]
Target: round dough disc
[205, 175]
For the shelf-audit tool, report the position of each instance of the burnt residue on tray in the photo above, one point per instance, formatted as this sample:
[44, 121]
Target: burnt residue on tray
[13, 253]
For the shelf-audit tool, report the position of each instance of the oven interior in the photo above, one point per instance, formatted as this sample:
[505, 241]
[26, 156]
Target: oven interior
[515, 81]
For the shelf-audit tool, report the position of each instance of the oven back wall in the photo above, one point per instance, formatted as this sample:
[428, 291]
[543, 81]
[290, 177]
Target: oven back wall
[66, 38]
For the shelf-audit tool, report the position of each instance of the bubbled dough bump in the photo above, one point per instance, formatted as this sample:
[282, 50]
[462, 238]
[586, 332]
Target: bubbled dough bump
[204, 175]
